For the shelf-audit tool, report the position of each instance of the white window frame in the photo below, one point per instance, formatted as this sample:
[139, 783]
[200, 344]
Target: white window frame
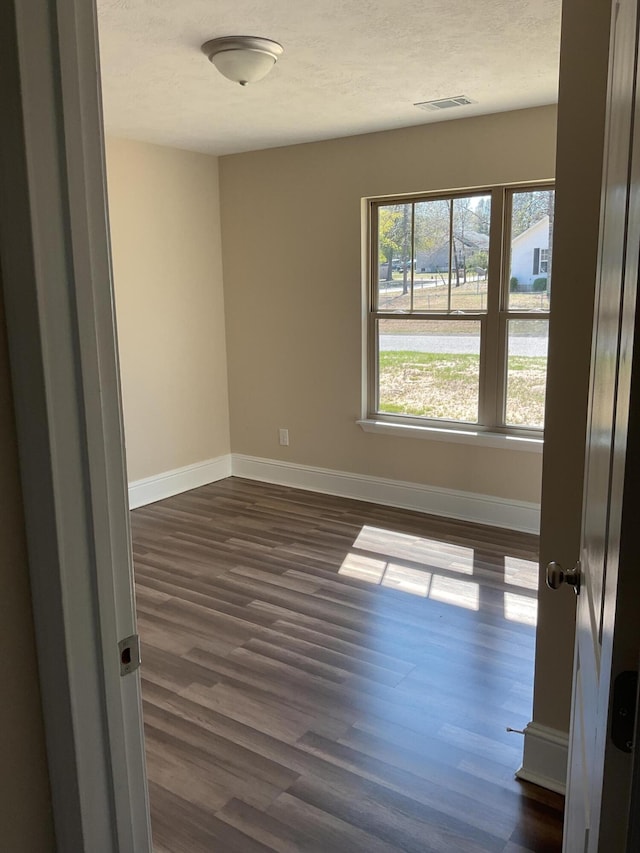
[491, 428]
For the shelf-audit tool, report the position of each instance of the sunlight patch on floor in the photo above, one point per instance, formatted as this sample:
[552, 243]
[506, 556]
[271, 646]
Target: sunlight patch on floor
[522, 573]
[417, 549]
[520, 608]
[453, 591]
[430, 569]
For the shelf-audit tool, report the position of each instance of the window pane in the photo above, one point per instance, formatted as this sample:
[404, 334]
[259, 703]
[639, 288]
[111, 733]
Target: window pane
[432, 254]
[394, 254]
[429, 368]
[526, 372]
[470, 250]
[531, 250]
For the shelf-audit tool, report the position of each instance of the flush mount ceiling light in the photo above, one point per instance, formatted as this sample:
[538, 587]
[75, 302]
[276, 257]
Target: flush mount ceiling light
[243, 59]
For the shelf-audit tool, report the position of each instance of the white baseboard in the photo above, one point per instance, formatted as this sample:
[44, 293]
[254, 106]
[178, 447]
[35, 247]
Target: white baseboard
[169, 483]
[467, 506]
[546, 753]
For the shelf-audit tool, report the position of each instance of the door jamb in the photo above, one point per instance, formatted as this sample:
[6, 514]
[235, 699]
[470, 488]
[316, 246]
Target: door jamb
[60, 321]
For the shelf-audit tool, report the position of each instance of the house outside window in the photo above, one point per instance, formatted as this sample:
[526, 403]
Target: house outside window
[458, 309]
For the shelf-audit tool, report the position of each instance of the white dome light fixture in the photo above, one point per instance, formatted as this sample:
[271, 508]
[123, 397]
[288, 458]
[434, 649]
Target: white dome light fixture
[243, 59]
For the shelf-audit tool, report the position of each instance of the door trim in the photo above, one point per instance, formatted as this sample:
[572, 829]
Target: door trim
[60, 323]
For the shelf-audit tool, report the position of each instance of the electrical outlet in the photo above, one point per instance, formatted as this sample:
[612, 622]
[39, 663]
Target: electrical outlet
[284, 437]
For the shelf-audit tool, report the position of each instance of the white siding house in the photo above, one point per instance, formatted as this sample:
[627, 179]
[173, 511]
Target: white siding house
[530, 254]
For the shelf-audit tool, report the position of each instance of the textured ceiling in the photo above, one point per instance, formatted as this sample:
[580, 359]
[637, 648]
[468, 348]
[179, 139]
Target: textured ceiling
[350, 66]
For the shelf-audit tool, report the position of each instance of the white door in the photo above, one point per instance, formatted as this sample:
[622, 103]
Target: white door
[607, 640]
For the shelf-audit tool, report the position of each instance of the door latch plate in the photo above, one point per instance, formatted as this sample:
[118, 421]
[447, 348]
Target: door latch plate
[129, 650]
[624, 710]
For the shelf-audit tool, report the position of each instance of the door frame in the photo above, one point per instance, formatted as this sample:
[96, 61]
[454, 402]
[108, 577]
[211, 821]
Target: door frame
[56, 275]
[61, 327]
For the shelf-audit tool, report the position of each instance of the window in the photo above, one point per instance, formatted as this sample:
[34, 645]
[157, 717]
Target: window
[540, 261]
[459, 309]
[544, 261]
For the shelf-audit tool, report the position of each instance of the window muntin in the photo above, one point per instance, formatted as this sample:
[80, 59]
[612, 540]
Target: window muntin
[452, 337]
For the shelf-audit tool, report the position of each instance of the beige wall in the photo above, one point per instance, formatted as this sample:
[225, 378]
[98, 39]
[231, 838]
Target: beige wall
[583, 77]
[25, 808]
[291, 225]
[165, 232]
[294, 359]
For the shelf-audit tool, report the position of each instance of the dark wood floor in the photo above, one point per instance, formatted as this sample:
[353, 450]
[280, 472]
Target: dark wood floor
[326, 675]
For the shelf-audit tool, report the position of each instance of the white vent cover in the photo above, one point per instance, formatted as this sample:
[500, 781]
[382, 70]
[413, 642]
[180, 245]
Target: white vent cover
[445, 103]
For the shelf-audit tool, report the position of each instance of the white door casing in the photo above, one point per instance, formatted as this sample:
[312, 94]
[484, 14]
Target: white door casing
[54, 249]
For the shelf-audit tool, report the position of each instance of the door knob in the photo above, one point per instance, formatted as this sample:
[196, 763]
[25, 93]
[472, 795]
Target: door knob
[556, 576]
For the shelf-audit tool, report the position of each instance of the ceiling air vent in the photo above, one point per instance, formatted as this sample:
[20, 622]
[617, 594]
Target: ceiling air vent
[445, 103]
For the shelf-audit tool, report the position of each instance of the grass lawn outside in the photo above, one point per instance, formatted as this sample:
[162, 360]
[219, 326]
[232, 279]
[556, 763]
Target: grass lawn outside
[430, 294]
[445, 386]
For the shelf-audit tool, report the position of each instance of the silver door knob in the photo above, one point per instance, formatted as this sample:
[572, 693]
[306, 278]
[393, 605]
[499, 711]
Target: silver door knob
[556, 576]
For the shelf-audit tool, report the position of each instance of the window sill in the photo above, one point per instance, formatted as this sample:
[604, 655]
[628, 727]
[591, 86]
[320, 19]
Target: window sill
[454, 436]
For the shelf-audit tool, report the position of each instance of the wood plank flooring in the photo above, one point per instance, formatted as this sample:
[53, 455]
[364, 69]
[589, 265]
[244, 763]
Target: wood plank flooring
[329, 676]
